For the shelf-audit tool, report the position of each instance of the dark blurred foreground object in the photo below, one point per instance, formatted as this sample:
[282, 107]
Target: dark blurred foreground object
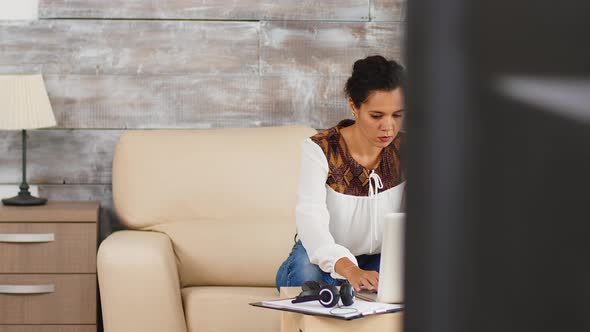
[498, 166]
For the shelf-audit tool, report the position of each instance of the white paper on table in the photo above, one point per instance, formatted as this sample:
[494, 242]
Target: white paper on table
[363, 308]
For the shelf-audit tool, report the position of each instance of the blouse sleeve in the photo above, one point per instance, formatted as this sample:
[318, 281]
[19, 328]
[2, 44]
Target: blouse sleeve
[312, 216]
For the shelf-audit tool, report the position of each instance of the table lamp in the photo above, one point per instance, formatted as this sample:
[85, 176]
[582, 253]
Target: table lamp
[24, 104]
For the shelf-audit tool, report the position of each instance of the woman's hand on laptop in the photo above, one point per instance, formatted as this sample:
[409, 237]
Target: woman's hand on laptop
[358, 278]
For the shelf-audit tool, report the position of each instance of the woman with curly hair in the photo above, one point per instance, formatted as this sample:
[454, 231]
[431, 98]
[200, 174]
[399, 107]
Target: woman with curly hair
[350, 178]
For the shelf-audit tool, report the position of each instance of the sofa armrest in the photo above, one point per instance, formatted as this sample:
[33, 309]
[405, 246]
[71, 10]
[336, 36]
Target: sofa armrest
[139, 284]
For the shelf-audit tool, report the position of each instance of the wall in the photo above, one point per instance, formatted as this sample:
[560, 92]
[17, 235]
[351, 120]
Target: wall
[112, 66]
[19, 10]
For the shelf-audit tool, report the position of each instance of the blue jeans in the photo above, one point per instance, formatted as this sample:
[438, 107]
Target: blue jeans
[297, 268]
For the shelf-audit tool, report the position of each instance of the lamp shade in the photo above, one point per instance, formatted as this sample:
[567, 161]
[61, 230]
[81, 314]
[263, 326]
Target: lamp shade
[24, 103]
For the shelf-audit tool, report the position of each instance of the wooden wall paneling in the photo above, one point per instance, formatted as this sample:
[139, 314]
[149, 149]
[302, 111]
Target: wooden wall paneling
[315, 101]
[122, 102]
[128, 47]
[346, 10]
[108, 220]
[59, 156]
[388, 10]
[156, 101]
[324, 48]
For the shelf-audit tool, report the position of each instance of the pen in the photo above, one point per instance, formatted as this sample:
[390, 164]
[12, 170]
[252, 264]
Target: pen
[377, 311]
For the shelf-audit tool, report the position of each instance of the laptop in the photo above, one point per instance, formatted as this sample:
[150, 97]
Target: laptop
[391, 264]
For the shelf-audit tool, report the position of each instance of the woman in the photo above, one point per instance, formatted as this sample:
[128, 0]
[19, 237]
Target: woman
[350, 178]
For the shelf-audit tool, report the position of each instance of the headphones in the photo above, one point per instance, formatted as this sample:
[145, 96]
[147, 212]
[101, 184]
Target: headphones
[327, 295]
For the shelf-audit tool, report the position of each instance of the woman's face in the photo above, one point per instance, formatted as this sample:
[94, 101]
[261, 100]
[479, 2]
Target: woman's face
[379, 118]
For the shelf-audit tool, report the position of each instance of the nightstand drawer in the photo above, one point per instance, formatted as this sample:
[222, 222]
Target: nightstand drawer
[48, 248]
[48, 299]
[47, 328]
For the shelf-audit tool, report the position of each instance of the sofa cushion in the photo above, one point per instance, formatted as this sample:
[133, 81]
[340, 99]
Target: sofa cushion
[164, 176]
[240, 252]
[225, 197]
[227, 309]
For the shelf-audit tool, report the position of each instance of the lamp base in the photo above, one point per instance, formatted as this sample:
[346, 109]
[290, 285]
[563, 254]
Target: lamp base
[24, 199]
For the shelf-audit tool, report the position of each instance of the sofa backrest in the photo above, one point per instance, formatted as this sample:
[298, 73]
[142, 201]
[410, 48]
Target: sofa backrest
[226, 197]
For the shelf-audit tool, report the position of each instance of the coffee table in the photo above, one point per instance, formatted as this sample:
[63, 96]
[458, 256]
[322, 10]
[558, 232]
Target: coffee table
[296, 322]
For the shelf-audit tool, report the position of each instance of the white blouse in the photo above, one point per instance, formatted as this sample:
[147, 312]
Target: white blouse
[333, 225]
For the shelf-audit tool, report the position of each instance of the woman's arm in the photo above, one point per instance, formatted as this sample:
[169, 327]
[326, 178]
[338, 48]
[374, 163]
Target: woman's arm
[312, 215]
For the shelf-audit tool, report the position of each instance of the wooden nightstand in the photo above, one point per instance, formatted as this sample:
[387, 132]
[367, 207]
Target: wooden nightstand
[48, 267]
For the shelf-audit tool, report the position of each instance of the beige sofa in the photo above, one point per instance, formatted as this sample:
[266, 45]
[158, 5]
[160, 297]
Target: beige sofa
[211, 214]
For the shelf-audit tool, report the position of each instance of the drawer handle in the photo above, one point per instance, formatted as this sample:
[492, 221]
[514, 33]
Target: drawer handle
[27, 238]
[26, 289]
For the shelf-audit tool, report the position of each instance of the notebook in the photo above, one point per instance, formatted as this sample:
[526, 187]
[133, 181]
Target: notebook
[358, 309]
[391, 264]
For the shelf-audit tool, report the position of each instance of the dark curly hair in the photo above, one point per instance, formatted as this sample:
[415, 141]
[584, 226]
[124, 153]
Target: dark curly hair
[374, 73]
